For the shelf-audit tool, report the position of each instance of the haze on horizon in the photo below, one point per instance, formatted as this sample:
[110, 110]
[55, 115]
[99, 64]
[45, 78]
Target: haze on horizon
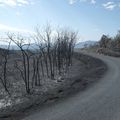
[91, 18]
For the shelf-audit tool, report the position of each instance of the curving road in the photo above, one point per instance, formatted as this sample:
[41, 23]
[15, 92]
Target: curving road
[99, 102]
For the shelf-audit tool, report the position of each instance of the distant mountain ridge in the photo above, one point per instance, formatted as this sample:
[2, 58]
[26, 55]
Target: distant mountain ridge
[34, 46]
[15, 47]
[85, 43]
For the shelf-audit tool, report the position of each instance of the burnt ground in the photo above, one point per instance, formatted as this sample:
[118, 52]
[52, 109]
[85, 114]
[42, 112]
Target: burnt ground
[84, 72]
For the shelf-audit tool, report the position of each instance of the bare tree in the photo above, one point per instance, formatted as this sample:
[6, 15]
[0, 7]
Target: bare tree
[117, 41]
[25, 70]
[41, 50]
[65, 47]
[4, 66]
[59, 49]
[104, 41]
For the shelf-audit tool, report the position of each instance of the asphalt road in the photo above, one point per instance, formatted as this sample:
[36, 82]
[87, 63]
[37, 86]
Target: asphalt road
[100, 102]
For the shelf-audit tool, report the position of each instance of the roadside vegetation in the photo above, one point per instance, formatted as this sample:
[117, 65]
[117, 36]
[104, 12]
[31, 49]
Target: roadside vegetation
[41, 68]
[106, 45]
[40, 61]
[50, 57]
[110, 45]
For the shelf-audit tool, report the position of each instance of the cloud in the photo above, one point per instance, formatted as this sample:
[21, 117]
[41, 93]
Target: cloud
[14, 3]
[109, 5]
[9, 2]
[93, 1]
[23, 1]
[83, 0]
[5, 28]
[89, 1]
[71, 2]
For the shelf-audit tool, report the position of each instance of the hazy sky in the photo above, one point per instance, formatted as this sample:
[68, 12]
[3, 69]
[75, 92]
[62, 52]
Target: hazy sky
[91, 18]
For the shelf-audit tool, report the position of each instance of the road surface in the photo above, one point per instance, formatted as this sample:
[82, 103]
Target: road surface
[99, 102]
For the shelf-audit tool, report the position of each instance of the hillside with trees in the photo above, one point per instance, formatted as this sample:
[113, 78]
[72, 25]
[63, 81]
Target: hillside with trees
[109, 45]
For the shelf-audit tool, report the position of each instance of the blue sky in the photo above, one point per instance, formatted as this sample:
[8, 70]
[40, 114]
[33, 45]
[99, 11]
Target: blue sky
[91, 18]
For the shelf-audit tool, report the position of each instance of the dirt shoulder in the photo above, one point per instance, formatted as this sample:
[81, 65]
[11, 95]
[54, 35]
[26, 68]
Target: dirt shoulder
[85, 71]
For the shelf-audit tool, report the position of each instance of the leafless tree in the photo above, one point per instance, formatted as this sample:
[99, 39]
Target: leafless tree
[4, 66]
[104, 41]
[25, 70]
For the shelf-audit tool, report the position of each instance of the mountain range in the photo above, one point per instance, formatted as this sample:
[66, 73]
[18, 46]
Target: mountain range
[85, 44]
[33, 46]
